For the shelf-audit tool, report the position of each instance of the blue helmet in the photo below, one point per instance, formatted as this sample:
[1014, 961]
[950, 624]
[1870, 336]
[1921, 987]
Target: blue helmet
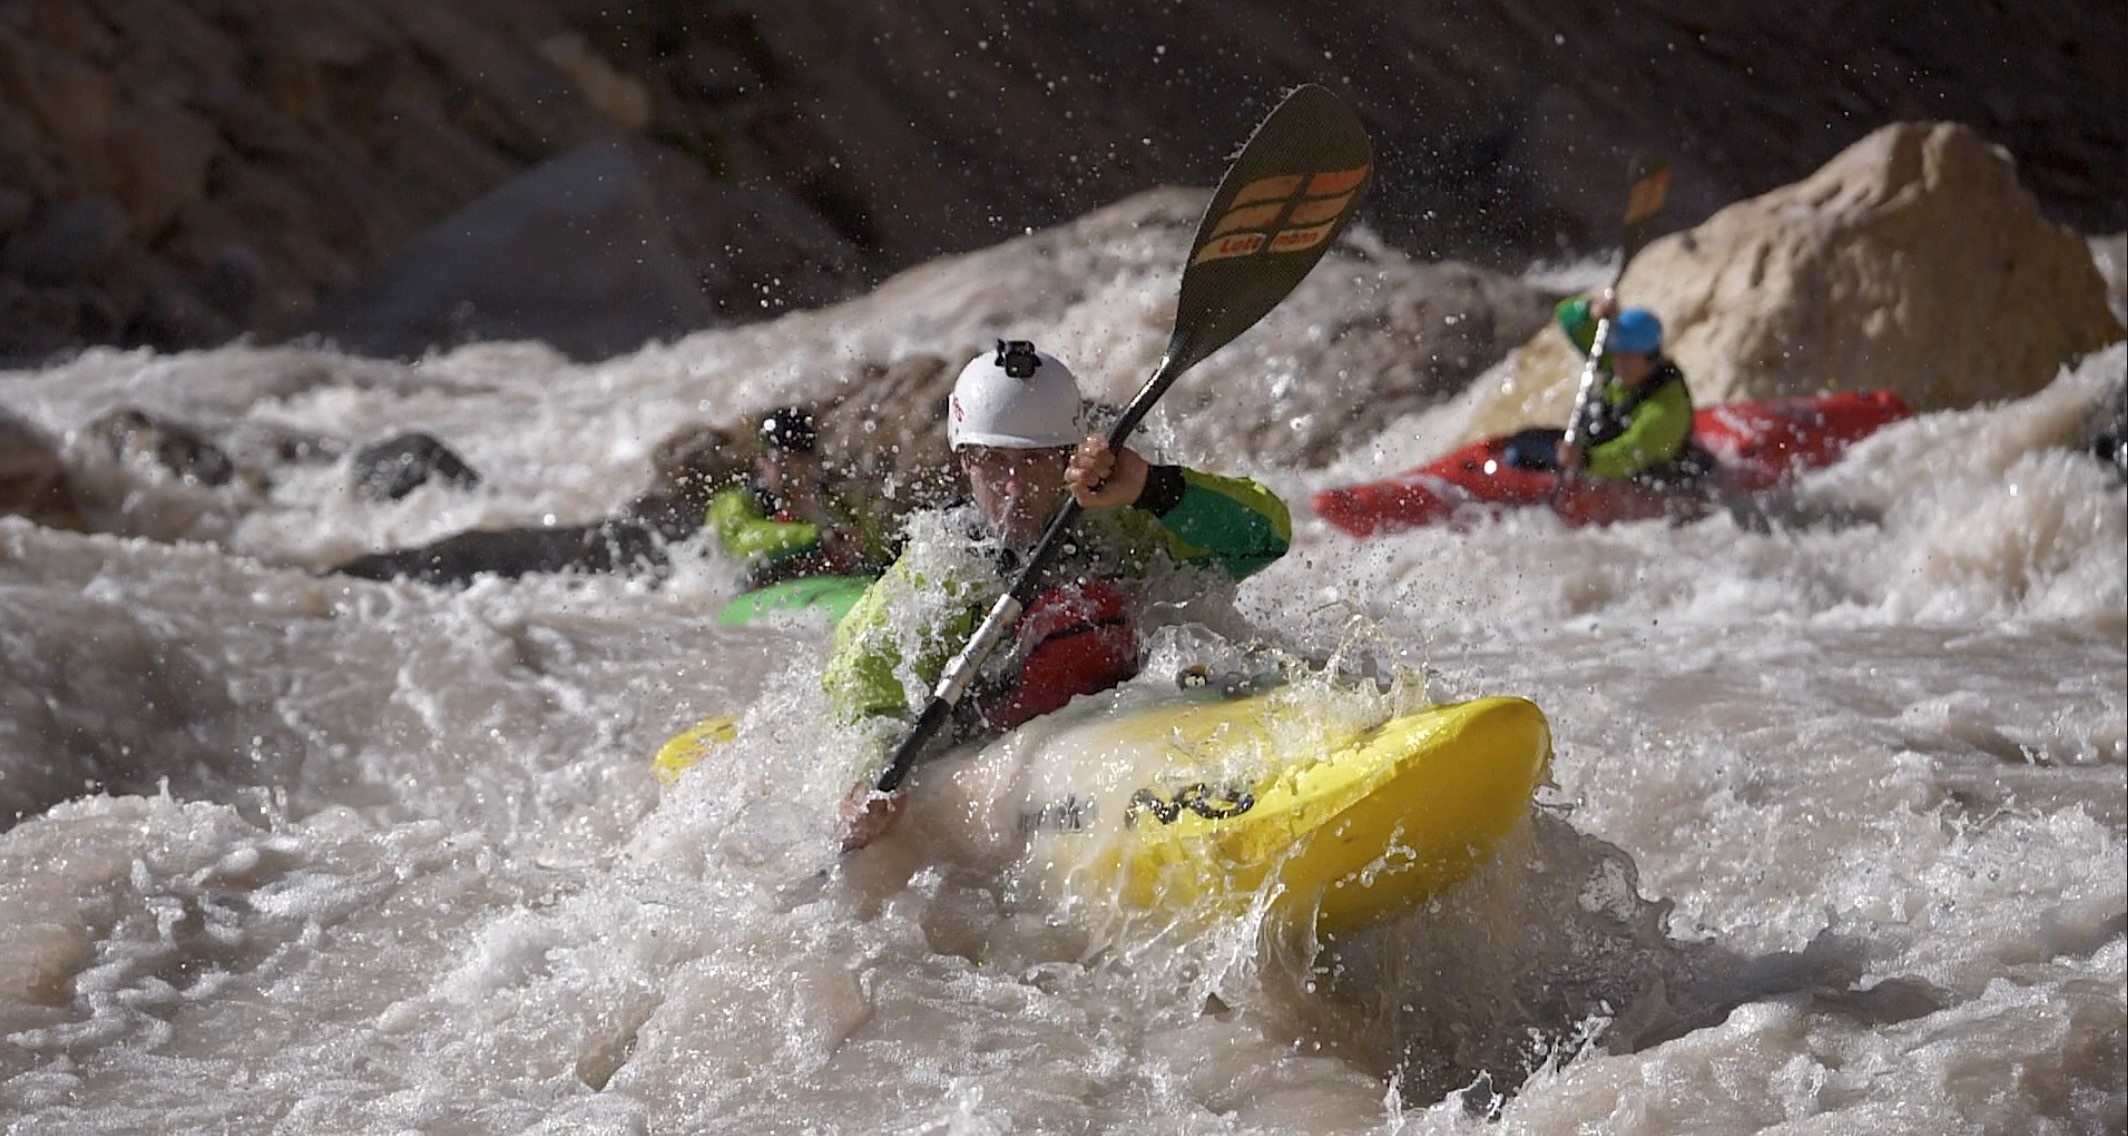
[1635, 329]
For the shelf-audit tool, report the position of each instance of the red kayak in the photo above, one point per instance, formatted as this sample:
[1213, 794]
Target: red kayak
[1757, 446]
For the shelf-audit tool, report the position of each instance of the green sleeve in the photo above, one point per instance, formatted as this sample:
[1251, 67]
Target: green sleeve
[1656, 434]
[743, 530]
[1579, 325]
[1230, 522]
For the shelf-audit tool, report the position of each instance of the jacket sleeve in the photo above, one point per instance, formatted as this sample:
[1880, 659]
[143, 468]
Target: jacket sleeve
[1655, 434]
[1230, 522]
[743, 530]
[1577, 323]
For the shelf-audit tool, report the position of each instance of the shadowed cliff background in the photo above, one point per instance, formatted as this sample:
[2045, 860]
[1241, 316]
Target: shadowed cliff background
[396, 174]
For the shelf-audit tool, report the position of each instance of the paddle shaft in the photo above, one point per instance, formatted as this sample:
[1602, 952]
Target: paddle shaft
[1587, 389]
[1650, 188]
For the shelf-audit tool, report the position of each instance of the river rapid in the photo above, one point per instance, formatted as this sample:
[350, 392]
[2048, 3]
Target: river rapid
[1835, 841]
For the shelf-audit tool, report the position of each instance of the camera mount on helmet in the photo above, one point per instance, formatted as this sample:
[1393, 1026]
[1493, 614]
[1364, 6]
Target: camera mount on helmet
[1018, 357]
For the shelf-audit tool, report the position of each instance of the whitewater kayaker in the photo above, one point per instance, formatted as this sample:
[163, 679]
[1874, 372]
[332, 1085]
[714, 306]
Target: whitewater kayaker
[1639, 425]
[785, 521]
[1017, 428]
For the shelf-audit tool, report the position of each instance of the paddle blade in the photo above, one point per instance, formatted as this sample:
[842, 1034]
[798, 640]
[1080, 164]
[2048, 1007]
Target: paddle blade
[1644, 201]
[1283, 201]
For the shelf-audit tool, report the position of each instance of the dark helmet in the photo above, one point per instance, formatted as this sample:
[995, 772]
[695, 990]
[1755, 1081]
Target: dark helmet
[791, 429]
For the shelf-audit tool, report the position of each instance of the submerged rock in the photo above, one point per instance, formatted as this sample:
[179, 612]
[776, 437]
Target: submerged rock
[607, 546]
[393, 468]
[139, 438]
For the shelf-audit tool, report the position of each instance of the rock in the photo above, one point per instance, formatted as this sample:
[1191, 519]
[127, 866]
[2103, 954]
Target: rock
[884, 436]
[607, 546]
[2106, 435]
[687, 469]
[575, 253]
[16, 208]
[164, 309]
[137, 438]
[329, 133]
[396, 467]
[1913, 261]
[755, 251]
[622, 98]
[71, 243]
[163, 153]
[36, 323]
[34, 482]
[231, 279]
[1417, 344]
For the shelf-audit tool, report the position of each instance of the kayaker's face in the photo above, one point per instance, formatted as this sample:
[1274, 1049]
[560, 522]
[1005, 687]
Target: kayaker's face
[1632, 367]
[785, 471]
[1017, 490]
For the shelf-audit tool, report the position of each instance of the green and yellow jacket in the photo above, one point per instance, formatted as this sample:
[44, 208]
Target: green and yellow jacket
[891, 647]
[746, 523]
[1632, 430]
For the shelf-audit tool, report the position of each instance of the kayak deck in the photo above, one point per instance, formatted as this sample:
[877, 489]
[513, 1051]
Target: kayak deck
[1375, 822]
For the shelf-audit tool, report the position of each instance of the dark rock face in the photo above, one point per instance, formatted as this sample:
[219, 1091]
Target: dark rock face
[574, 252]
[174, 173]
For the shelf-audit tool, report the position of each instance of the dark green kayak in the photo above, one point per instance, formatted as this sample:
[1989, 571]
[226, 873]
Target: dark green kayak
[831, 596]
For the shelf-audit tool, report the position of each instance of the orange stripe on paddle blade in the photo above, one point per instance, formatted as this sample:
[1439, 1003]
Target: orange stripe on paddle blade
[1338, 181]
[1276, 188]
[1317, 211]
[1248, 217]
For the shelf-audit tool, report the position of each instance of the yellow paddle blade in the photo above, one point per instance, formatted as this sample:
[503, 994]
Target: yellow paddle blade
[681, 751]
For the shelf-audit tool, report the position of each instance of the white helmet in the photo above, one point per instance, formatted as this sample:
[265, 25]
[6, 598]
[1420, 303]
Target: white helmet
[1015, 398]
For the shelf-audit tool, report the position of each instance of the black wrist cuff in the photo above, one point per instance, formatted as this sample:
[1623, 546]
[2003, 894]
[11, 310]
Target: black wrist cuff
[1163, 490]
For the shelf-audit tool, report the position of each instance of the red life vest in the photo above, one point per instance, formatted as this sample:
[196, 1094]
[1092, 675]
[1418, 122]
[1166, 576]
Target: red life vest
[1077, 640]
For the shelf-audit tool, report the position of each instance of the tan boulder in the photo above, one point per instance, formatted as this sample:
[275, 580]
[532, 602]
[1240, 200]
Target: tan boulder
[1913, 260]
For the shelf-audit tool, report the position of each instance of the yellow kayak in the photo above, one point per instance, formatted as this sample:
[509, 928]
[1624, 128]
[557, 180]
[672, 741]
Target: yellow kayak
[1347, 824]
[1197, 805]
